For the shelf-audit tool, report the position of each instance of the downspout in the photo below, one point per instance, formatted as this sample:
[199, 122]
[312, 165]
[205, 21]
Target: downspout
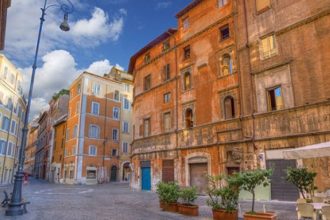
[250, 68]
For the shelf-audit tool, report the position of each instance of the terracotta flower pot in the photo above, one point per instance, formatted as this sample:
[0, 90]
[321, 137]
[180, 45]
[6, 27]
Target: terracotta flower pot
[221, 214]
[260, 216]
[186, 209]
[161, 204]
[170, 207]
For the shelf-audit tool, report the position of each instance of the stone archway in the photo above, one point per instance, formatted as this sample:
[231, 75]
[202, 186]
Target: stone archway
[126, 170]
[113, 176]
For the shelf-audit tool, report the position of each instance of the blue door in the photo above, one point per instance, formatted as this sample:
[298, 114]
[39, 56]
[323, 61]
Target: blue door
[146, 178]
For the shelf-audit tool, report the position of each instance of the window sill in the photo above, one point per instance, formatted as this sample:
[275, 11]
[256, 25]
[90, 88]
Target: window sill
[258, 12]
[226, 76]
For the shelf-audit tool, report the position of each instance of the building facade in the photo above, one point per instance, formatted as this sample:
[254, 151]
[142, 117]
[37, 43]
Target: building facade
[30, 150]
[98, 131]
[235, 83]
[12, 110]
[4, 5]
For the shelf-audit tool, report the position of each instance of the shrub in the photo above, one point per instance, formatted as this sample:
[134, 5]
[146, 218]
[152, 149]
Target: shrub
[251, 179]
[188, 195]
[302, 179]
[168, 192]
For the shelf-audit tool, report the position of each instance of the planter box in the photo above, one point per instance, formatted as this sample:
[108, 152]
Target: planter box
[170, 207]
[191, 210]
[260, 216]
[161, 204]
[221, 214]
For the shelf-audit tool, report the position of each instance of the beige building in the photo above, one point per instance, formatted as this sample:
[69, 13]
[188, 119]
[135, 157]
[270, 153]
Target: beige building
[12, 110]
[99, 129]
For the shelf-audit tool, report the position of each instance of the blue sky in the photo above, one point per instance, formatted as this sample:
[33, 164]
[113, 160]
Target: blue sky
[103, 33]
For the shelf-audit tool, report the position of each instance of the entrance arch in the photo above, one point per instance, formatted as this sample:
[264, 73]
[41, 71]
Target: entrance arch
[126, 171]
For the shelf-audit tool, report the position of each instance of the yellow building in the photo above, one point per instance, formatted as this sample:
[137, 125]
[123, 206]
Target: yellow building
[12, 110]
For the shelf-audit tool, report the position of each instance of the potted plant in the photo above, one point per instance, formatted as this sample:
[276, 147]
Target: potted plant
[303, 180]
[160, 190]
[188, 196]
[169, 196]
[250, 180]
[223, 196]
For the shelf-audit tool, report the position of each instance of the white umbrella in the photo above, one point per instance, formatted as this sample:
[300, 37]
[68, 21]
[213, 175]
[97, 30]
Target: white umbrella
[310, 151]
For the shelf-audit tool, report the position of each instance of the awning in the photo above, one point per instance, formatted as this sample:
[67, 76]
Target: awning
[310, 151]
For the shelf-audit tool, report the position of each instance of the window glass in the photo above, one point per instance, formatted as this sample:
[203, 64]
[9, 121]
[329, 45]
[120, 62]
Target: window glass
[115, 135]
[94, 131]
[115, 113]
[186, 52]
[92, 150]
[125, 127]
[222, 3]
[166, 72]
[167, 97]
[96, 89]
[187, 81]
[185, 23]
[275, 99]
[125, 147]
[224, 33]
[126, 104]
[147, 82]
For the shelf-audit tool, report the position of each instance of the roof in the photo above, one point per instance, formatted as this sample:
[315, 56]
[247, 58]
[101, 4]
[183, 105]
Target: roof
[188, 8]
[157, 40]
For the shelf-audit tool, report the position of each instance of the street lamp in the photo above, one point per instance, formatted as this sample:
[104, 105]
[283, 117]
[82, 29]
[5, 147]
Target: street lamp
[16, 205]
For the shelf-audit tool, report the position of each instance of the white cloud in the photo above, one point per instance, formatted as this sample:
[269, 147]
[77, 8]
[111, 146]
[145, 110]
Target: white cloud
[100, 67]
[23, 25]
[57, 72]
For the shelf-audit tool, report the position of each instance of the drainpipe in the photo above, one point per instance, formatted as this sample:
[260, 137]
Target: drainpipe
[250, 68]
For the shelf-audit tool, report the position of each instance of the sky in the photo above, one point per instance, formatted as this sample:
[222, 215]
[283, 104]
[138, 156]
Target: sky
[104, 33]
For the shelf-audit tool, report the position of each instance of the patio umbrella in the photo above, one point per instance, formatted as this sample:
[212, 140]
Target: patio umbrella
[310, 151]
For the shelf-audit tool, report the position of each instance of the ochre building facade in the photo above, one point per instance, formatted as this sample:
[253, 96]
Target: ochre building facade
[233, 85]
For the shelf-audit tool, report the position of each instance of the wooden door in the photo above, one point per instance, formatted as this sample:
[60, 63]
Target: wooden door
[198, 176]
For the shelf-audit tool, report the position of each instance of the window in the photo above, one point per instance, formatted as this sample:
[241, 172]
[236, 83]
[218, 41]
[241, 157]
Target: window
[5, 123]
[186, 52]
[224, 33]
[167, 121]
[262, 5]
[75, 131]
[67, 134]
[229, 107]
[12, 79]
[10, 147]
[125, 147]
[185, 23]
[115, 134]
[115, 113]
[94, 131]
[126, 104]
[275, 100]
[96, 89]
[2, 147]
[147, 82]
[186, 81]
[146, 127]
[167, 97]
[166, 72]
[222, 3]
[5, 73]
[268, 47]
[147, 58]
[226, 65]
[92, 150]
[79, 88]
[13, 127]
[125, 127]
[189, 118]
[95, 108]
[77, 107]
[116, 96]
[166, 45]
[126, 87]
[114, 152]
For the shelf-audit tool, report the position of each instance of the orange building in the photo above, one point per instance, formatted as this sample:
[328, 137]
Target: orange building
[189, 77]
[236, 84]
[98, 132]
[57, 161]
[30, 150]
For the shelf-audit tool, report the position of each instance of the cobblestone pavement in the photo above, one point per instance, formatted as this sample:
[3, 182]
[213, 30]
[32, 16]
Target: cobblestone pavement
[112, 202]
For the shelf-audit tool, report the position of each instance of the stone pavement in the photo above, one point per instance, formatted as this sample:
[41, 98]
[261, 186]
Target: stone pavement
[112, 202]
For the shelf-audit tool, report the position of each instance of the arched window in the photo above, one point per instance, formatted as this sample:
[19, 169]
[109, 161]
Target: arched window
[189, 118]
[229, 107]
[227, 65]
[187, 81]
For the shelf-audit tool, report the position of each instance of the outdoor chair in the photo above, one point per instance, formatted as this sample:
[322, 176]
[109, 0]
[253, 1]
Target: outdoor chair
[305, 210]
[325, 213]
[317, 199]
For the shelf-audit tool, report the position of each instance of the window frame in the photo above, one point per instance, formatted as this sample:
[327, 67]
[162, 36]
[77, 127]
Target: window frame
[221, 3]
[98, 131]
[126, 125]
[185, 23]
[165, 129]
[167, 97]
[126, 104]
[114, 110]
[123, 147]
[186, 52]
[272, 52]
[98, 108]
[90, 150]
[221, 29]
[269, 104]
[146, 132]
[115, 138]
[147, 82]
